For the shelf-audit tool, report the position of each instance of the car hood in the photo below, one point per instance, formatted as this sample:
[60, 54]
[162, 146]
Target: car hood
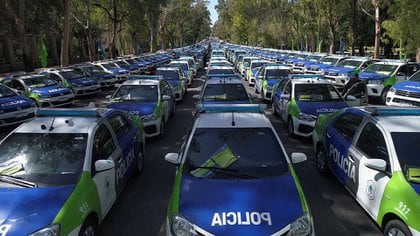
[83, 82]
[317, 108]
[272, 82]
[372, 76]
[50, 90]
[26, 210]
[14, 102]
[227, 102]
[173, 82]
[118, 71]
[341, 70]
[103, 76]
[210, 204]
[411, 86]
[135, 108]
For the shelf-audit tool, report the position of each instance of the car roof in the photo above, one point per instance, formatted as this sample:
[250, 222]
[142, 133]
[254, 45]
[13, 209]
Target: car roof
[390, 118]
[311, 81]
[224, 120]
[141, 82]
[168, 68]
[60, 120]
[224, 81]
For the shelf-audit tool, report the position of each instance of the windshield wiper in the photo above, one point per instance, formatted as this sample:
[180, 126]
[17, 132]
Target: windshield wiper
[226, 171]
[17, 181]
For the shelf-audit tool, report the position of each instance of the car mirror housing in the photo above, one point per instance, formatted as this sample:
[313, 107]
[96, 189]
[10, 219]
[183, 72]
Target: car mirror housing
[298, 157]
[104, 165]
[196, 97]
[166, 98]
[172, 158]
[376, 164]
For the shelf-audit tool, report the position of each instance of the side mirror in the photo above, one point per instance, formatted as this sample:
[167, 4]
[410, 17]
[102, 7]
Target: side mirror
[166, 98]
[108, 96]
[401, 74]
[350, 98]
[253, 95]
[104, 165]
[172, 158]
[298, 157]
[196, 97]
[285, 96]
[376, 164]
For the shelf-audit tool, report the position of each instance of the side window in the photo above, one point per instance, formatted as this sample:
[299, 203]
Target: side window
[17, 85]
[168, 89]
[119, 124]
[358, 90]
[347, 125]
[372, 143]
[412, 69]
[402, 70]
[55, 78]
[288, 88]
[103, 144]
[282, 84]
[162, 88]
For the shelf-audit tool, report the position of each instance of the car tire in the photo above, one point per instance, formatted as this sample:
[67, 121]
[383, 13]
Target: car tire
[173, 109]
[383, 95]
[321, 161]
[274, 111]
[140, 162]
[397, 228]
[255, 90]
[290, 128]
[88, 228]
[162, 127]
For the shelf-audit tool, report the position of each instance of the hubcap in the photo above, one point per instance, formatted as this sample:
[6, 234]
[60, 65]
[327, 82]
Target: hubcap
[140, 161]
[320, 160]
[395, 232]
[290, 127]
[89, 231]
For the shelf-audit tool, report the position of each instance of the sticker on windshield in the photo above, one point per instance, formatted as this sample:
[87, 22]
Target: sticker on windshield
[222, 158]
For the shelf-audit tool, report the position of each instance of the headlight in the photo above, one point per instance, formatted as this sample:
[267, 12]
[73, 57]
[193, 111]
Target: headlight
[52, 230]
[148, 118]
[306, 117]
[301, 226]
[341, 74]
[375, 81]
[182, 227]
[392, 90]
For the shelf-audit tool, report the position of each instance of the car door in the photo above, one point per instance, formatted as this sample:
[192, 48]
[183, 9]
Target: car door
[166, 105]
[338, 140]
[369, 144]
[284, 101]
[104, 147]
[126, 136]
[360, 92]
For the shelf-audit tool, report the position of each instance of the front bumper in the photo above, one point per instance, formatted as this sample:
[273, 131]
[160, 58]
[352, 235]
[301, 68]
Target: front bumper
[399, 98]
[152, 128]
[15, 117]
[375, 90]
[81, 91]
[56, 101]
[338, 81]
[303, 128]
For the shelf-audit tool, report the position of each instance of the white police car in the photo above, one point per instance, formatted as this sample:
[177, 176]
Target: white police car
[152, 100]
[14, 108]
[61, 172]
[235, 178]
[406, 93]
[176, 79]
[223, 90]
[373, 151]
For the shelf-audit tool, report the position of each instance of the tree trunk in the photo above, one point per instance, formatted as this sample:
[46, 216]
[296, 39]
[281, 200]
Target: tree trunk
[418, 55]
[353, 26]
[378, 29]
[89, 32]
[113, 48]
[66, 35]
[54, 53]
[332, 38]
[153, 32]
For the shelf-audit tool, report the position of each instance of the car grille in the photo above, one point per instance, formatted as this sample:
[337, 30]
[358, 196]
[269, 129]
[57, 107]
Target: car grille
[333, 73]
[407, 93]
[150, 129]
[413, 103]
[306, 129]
[12, 109]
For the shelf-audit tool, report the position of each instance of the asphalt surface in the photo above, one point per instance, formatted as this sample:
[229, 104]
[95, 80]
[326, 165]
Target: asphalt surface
[141, 207]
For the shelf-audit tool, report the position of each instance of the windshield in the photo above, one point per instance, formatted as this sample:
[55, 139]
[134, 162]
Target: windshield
[183, 66]
[257, 64]
[415, 77]
[94, 69]
[6, 92]
[110, 66]
[313, 58]
[329, 61]
[316, 93]
[39, 82]
[225, 92]
[168, 74]
[220, 71]
[276, 74]
[384, 69]
[350, 63]
[406, 145]
[68, 75]
[121, 63]
[250, 151]
[141, 93]
[43, 158]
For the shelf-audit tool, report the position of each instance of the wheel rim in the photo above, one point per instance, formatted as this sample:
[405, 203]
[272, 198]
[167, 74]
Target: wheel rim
[320, 161]
[140, 161]
[290, 127]
[162, 124]
[89, 231]
[395, 232]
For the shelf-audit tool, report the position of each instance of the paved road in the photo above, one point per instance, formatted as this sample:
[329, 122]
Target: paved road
[141, 208]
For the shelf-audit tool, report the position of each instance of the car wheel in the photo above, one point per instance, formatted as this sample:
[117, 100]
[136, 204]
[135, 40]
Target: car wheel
[396, 228]
[140, 162]
[173, 109]
[321, 161]
[162, 127]
[88, 228]
[383, 95]
[255, 90]
[290, 128]
[274, 111]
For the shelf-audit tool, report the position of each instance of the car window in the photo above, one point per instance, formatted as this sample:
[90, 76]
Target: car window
[358, 90]
[316, 93]
[288, 88]
[16, 84]
[55, 78]
[347, 125]
[403, 70]
[103, 144]
[226, 92]
[120, 125]
[372, 143]
[412, 69]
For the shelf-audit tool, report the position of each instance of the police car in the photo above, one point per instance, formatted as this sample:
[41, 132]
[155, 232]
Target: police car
[324, 63]
[43, 90]
[176, 79]
[75, 80]
[406, 93]
[223, 90]
[234, 177]
[150, 99]
[120, 73]
[254, 65]
[267, 76]
[14, 108]
[96, 72]
[61, 172]
[374, 154]
[382, 75]
[304, 97]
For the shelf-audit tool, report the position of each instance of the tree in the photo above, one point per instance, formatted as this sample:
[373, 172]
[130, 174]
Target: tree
[66, 34]
[376, 17]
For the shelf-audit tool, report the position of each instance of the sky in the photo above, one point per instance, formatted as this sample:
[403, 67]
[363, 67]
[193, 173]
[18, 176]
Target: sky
[213, 13]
